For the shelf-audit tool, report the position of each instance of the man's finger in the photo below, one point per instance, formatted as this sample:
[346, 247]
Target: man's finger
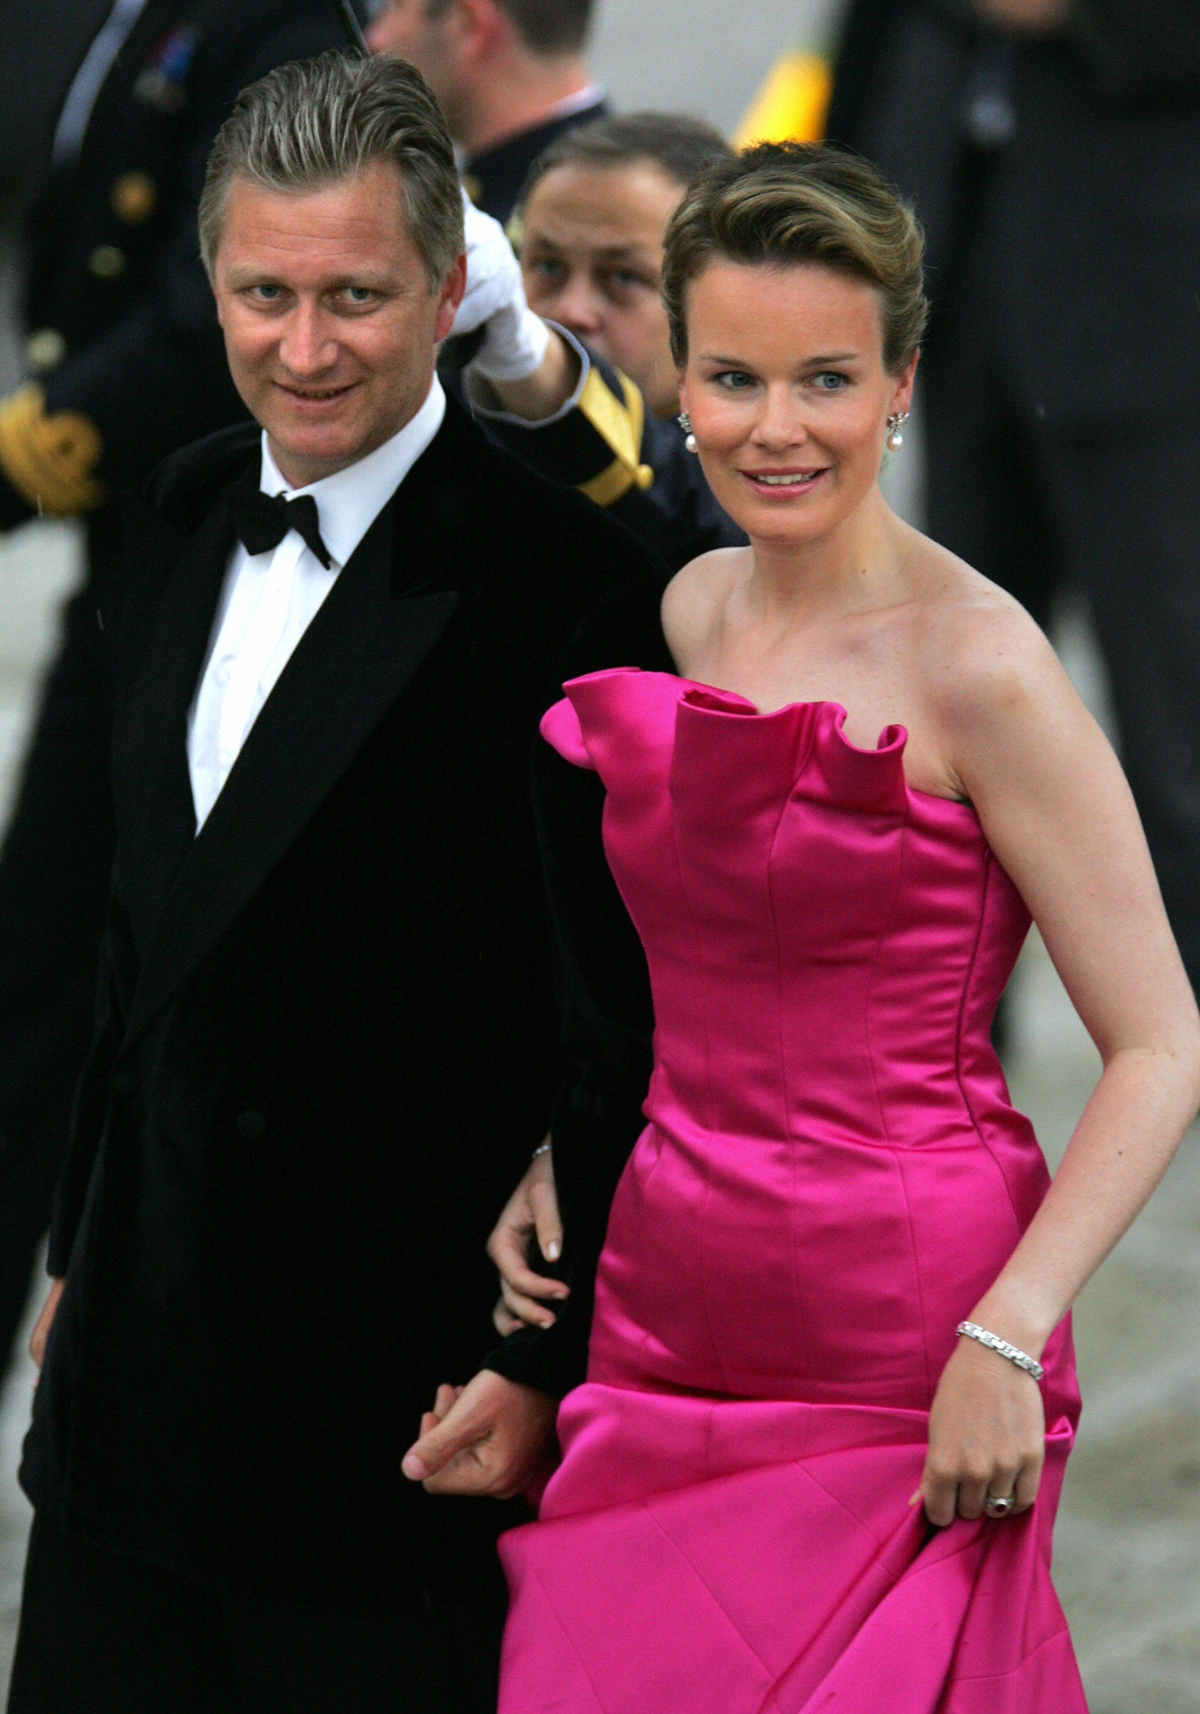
[452, 1434]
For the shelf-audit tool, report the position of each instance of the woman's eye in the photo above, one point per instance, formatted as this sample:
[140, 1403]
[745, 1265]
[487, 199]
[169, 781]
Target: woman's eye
[830, 381]
[734, 380]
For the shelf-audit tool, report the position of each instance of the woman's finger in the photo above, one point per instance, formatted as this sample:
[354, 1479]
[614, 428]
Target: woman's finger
[940, 1494]
[972, 1492]
[1027, 1483]
[527, 1309]
[543, 1199]
[503, 1320]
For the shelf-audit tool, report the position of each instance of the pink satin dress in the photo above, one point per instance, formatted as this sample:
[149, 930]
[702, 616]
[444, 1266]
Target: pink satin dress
[830, 1176]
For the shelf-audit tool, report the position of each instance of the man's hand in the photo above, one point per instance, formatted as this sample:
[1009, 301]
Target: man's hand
[45, 1321]
[531, 1210]
[489, 1437]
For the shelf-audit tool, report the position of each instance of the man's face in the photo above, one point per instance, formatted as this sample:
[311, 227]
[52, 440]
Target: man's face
[591, 256]
[405, 28]
[329, 320]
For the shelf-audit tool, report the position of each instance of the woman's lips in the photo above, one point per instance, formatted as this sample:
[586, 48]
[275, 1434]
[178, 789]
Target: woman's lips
[783, 484]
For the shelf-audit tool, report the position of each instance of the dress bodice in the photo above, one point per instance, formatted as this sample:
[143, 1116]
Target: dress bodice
[826, 944]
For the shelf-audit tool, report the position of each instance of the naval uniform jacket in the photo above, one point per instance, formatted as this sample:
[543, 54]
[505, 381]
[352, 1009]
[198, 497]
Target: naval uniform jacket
[326, 1042]
[120, 317]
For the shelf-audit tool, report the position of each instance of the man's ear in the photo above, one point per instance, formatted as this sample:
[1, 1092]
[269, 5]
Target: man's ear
[481, 27]
[449, 297]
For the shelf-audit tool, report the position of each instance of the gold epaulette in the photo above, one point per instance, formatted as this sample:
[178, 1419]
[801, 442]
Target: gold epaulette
[620, 425]
[49, 459]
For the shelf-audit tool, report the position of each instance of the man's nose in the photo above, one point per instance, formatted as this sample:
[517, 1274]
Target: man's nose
[308, 347]
[576, 304]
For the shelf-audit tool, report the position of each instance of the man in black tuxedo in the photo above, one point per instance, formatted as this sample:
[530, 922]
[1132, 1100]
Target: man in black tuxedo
[123, 365]
[325, 1039]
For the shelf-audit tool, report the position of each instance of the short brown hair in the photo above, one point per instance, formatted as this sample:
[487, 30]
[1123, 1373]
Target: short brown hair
[677, 144]
[781, 204]
[315, 122]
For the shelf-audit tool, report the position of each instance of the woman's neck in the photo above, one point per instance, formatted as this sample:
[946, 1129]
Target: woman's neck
[854, 567]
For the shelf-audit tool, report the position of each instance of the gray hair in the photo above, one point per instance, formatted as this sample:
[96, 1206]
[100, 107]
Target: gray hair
[316, 122]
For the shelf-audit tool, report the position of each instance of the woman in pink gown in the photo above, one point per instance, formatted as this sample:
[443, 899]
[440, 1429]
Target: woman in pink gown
[791, 1482]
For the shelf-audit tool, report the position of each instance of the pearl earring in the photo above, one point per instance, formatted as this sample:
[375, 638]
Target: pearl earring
[895, 440]
[685, 423]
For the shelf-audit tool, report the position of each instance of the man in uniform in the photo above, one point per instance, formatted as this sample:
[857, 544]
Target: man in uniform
[125, 364]
[510, 76]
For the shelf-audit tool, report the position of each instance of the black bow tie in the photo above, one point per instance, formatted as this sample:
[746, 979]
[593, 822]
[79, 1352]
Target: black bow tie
[262, 520]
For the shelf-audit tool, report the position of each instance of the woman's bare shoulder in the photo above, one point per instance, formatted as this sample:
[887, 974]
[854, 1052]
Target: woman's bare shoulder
[697, 594]
[979, 653]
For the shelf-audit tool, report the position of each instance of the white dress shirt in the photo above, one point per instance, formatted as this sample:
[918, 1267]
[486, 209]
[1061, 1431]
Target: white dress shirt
[268, 600]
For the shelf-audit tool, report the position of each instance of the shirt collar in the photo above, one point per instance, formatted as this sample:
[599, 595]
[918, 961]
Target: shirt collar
[349, 501]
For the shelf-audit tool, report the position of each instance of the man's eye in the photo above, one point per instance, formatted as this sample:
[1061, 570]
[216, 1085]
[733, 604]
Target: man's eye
[546, 270]
[359, 294]
[267, 293]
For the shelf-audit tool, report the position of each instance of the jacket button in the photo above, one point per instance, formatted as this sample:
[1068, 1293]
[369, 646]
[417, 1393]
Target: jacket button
[251, 1125]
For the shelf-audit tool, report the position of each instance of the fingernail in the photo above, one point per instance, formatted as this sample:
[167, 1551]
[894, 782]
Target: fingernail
[546, 1321]
[915, 1498]
[413, 1468]
[553, 1250]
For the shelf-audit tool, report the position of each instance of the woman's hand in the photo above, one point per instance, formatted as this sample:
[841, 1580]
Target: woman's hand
[987, 1436]
[531, 1210]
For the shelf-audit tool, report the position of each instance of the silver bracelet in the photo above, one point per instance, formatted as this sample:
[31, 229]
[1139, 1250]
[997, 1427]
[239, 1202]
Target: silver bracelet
[542, 1149]
[994, 1342]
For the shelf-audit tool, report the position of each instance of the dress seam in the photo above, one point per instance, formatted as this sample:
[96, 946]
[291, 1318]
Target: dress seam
[989, 863]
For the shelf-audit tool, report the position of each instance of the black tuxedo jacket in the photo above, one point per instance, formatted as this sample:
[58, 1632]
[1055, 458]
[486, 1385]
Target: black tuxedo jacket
[326, 1040]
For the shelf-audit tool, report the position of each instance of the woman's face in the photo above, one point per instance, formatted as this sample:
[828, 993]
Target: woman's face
[591, 256]
[788, 395]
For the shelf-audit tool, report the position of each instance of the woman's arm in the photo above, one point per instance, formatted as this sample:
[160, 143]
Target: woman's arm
[1059, 816]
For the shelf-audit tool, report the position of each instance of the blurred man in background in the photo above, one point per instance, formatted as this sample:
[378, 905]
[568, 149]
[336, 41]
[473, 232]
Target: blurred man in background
[125, 363]
[591, 219]
[510, 76]
[1052, 149]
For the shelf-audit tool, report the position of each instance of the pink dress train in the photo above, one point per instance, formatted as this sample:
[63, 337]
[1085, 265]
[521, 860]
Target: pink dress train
[830, 1176]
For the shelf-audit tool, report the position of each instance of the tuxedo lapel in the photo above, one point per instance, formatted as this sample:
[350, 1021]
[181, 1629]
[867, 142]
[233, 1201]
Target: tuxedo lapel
[361, 649]
[175, 583]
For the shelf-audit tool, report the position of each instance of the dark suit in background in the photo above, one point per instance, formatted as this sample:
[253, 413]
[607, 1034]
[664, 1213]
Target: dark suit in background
[125, 347]
[1058, 179]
